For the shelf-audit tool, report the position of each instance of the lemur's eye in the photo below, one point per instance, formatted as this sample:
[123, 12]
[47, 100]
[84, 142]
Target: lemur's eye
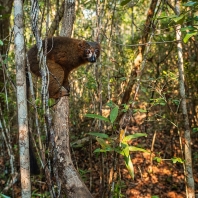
[96, 51]
[88, 51]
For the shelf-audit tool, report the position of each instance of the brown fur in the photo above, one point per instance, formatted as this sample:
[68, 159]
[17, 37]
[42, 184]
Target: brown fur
[64, 55]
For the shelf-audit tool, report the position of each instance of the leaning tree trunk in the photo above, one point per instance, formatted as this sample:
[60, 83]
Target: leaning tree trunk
[21, 99]
[187, 137]
[138, 60]
[64, 168]
[148, 27]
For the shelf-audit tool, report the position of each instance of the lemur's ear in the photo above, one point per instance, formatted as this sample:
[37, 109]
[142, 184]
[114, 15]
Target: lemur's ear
[80, 44]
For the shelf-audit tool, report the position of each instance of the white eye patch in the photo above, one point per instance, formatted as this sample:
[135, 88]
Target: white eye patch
[91, 53]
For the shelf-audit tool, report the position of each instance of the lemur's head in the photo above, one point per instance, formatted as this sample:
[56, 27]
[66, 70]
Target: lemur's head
[91, 50]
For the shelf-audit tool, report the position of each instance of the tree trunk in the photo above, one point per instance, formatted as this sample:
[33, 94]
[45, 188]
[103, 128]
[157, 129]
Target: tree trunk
[68, 175]
[187, 136]
[21, 99]
[138, 60]
[57, 19]
[64, 168]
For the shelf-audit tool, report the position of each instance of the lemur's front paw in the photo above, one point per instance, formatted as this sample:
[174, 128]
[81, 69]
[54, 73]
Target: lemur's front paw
[65, 91]
[62, 92]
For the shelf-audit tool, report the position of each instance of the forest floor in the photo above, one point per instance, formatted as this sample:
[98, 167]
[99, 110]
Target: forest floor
[162, 179]
[153, 179]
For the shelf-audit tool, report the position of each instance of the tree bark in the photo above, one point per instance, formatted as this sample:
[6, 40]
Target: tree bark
[68, 175]
[68, 18]
[187, 136]
[135, 71]
[57, 19]
[64, 168]
[22, 99]
[138, 60]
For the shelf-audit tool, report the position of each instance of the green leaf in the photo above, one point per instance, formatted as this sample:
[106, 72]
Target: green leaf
[97, 117]
[129, 165]
[134, 148]
[179, 20]
[177, 159]
[190, 4]
[4, 196]
[194, 130]
[37, 102]
[176, 102]
[136, 135]
[97, 134]
[2, 7]
[103, 143]
[189, 35]
[155, 196]
[195, 18]
[188, 28]
[125, 150]
[124, 2]
[162, 17]
[168, 17]
[97, 150]
[140, 110]
[158, 159]
[1, 42]
[110, 104]
[114, 114]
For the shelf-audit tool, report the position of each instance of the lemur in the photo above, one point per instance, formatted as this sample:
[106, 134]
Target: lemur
[63, 55]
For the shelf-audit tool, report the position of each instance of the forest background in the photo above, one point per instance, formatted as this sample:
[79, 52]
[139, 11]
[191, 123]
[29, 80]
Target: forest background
[133, 115]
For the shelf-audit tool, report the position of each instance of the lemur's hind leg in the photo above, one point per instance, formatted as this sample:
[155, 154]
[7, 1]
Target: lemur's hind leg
[56, 79]
[66, 82]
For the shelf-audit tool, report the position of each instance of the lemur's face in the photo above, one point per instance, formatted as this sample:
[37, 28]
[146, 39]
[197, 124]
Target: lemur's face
[93, 52]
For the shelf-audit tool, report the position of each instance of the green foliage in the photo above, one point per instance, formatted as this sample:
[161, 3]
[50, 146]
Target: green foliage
[191, 4]
[83, 174]
[4, 196]
[157, 159]
[112, 117]
[158, 101]
[195, 156]
[136, 135]
[113, 114]
[189, 35]
[177, 159]
[195, 130]
[174, 159]
[95, 116]
[108, 144]
[35, 194]
[184, 18]
[139, 110]
[124, 2]
[117, 189]
[3, 16]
